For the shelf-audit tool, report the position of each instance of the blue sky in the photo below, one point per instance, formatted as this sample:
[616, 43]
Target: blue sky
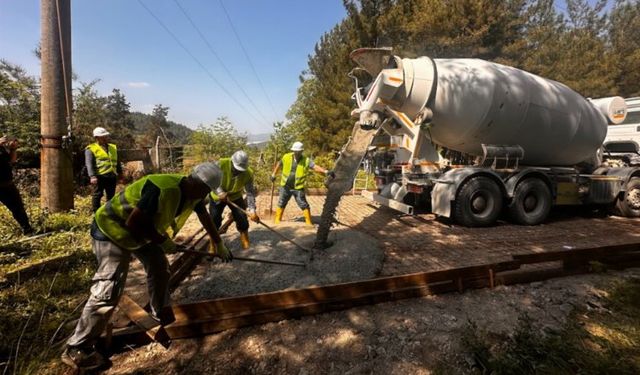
[119, 42]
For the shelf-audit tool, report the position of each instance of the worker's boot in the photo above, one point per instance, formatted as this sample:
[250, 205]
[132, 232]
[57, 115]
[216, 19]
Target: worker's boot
[307, 216]
[279, 212]
[244, 240]
[82, 359]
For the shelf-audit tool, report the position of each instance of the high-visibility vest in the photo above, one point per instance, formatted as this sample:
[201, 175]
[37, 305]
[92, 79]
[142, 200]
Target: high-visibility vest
[233, 185]
[112, 216]
[106, 162]
[302, 170]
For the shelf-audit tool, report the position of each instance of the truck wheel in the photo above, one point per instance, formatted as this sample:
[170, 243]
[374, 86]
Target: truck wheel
[629, 204]
[478, 202]
[531, 202]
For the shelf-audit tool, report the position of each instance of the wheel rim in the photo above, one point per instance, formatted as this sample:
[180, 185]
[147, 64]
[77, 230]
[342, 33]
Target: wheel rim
[530, 203]
[633, 198]
[480, 202]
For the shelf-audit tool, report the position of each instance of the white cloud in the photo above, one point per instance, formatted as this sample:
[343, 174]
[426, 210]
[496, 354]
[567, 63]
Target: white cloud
[138, 85]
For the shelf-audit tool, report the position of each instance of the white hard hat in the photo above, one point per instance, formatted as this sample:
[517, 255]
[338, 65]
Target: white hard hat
[209, 173]
[100, 132]
[297, 146]
[240, 160]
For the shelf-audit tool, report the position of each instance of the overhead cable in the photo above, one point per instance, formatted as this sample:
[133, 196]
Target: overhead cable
[224, 89]
[248, 58]
[213, 52]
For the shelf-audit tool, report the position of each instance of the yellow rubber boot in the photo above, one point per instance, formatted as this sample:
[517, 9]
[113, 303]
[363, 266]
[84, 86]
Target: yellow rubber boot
[244, 240]
[279, 212]
[307, 216]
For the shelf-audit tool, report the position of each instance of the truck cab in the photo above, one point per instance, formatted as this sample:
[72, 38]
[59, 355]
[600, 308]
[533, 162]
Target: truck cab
[622, 142]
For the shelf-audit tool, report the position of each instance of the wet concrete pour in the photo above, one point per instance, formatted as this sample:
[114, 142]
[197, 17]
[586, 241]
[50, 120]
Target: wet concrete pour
[354, 256]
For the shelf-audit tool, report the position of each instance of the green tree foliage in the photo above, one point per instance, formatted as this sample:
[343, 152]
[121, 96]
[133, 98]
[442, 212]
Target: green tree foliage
[624, 36]
[89, 112]
[571, 49]
[20, 110]
[118, 119]
[141, 128]
[215, 141]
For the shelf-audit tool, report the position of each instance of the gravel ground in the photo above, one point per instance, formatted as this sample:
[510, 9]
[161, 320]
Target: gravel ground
[412, 336]
[353, 256]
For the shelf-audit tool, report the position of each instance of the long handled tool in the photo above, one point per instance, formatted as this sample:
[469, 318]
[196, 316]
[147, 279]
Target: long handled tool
[271, 229]
[27, 239]
[273, 183]
[258, 260]
[222, 230]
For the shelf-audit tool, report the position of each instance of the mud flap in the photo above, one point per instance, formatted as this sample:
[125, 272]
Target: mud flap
[442, 195]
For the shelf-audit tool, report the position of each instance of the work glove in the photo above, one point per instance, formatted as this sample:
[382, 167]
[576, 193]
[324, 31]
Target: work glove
[220, 250]
[168, 246]
[272, 178]
[331, 174]
[253, 216]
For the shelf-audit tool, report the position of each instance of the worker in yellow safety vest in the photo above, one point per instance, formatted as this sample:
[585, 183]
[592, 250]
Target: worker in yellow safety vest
[237, 178]
[295, 168]
[103, 168]
[141, 221]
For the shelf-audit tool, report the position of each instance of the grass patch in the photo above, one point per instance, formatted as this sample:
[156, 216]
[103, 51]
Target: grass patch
[33, 310]
[72, 235]
[591, 342]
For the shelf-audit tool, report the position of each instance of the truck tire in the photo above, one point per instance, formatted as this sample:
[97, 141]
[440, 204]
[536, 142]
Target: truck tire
[629, 204]
[478, 202]
[531, 202]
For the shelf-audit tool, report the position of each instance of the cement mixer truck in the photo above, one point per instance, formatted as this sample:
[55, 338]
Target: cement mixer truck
[473, 139]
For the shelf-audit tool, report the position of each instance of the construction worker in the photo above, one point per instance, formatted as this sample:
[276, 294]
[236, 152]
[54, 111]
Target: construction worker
[237, 178]
[141, 221]
[295, 168]
[103, 168]
[9, 194]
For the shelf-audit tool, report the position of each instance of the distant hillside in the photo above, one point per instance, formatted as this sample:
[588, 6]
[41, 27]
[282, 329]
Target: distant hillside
[257, 138]
[178, 133]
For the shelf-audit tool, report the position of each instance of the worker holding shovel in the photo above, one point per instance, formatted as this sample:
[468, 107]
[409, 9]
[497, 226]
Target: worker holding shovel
[237, 178]
[295, 168]
[141, 221]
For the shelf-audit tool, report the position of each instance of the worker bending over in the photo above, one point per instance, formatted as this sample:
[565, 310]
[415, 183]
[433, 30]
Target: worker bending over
[295, 168]
[103, 168]
[9, 194]
[237, 177]
[140, 221]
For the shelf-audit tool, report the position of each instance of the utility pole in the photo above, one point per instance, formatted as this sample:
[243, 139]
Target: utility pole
[56, 167]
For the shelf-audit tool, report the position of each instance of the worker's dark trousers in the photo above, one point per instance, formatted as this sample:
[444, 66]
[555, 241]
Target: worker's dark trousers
[285, 195]
[108, 285]
[106, 186]
[10, 197]
[216, 209]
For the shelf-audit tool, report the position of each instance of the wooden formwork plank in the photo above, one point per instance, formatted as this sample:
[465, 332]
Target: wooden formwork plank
[273, 300]
[577, 254]
[142, 319]
[186, 262]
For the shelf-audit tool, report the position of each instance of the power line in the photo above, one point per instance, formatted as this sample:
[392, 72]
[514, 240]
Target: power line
[220, 60]
[248, 58]
[197, 61]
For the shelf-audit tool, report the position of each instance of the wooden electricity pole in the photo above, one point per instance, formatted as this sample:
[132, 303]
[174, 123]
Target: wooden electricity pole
[56, 167]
